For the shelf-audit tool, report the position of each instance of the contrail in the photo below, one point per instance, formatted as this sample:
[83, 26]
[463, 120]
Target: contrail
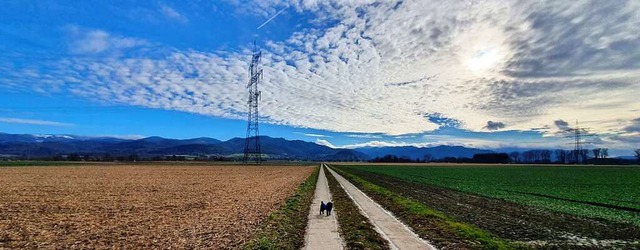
[274, 16]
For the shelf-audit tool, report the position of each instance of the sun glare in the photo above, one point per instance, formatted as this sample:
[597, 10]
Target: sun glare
[482, 49]
[484, 60]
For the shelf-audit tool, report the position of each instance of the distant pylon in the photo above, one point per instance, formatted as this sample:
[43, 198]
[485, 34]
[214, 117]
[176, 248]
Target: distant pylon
[578, 154]
[252, 151]
[578, 143]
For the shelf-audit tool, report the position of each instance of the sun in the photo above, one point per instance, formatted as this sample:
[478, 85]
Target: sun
[484, 60]
[482, 50]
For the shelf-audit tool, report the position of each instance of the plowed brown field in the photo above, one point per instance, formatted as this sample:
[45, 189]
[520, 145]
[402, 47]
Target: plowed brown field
[139, 206]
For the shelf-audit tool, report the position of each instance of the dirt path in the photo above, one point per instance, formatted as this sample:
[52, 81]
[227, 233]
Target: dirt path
[322, 231]
[400, 236]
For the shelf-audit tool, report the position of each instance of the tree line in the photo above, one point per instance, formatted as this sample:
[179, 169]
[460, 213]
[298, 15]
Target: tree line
[129, 158]
[558, 155]
[537, 156]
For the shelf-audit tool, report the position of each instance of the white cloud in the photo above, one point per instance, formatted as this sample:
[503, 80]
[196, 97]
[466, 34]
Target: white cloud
[124, 137]
[382, 68]
[405, 136]
[461, 140]
[364, 136]
[172, 14]
[324, 143]
[311, 135]
[34, 122]
[379, 144]
[492, 142]
[99, 41]
[445, 140]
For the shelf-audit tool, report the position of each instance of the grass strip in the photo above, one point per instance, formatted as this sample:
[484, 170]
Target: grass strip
[438, 228]
[356, 229]
[285, 228]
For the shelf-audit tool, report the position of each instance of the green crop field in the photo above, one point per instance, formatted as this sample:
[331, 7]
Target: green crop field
[606, 192]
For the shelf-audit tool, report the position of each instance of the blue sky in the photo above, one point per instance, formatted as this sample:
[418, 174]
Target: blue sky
[489, 74]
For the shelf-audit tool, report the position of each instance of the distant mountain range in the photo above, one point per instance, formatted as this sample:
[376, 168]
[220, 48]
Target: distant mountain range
[27, 145]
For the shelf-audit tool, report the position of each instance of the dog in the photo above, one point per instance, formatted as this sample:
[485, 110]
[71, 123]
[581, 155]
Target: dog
[329, 206]
[323, 207]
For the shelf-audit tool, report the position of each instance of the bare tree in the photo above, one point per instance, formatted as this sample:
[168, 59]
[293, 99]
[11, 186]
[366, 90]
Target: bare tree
[562, 155]
[604, 153]
[515, 156]
[536, 155]
[637, 151]
[571, 156]
[528, 156]
[545, 155]
[584, 155]
[428, 158]
[596, 153]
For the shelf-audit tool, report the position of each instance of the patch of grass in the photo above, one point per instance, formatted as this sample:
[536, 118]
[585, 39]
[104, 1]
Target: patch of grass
[441, 230]
[285, 228]
[356, 229]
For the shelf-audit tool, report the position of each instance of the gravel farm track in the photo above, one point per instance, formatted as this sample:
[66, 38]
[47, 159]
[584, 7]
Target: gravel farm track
[139, 206]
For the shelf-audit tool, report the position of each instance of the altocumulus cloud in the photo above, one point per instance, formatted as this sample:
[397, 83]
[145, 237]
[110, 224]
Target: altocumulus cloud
[523, 63]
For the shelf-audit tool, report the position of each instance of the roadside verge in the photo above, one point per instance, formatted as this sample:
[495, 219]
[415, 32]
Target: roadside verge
[285, 228]
[356, 229]
[399, 235]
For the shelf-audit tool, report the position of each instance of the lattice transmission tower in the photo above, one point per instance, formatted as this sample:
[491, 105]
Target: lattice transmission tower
[252, 151]
[579, 154]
